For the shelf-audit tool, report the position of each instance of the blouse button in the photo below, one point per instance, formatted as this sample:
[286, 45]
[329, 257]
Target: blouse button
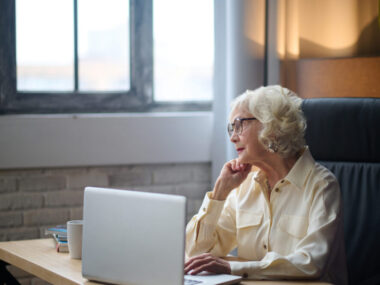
[204, 209]
[276, 189]
[265, 246]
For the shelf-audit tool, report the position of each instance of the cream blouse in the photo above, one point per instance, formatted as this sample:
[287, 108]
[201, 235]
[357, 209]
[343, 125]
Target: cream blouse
[296, 233]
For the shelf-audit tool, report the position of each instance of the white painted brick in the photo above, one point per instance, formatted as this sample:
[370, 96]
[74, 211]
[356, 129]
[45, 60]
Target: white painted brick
[21, 201]
[165, 189]
[76, 213]
[28, 201]
[81, 180]
[66, 171]
[193, 206]
[10, 219]
[201, 172]
[46, 217]
[7, 184]
[60, 187]
[22, 172]
[130, 179]
[172, 174]
[193, 190]
[42, 183]
[20, 233]
[122, 169]
[6, 202]
[63, 198]
[111, 170]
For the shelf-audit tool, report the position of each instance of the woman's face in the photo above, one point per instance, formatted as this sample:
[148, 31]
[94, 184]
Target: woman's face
[247, 145]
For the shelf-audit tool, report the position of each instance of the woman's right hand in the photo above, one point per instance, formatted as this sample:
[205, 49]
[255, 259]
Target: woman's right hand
[232, 175]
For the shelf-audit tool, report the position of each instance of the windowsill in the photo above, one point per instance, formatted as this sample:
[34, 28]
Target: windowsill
[104, 139]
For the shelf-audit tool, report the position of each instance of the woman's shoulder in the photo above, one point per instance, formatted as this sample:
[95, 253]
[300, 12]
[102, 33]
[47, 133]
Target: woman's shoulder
[323, 172]
[323, 178]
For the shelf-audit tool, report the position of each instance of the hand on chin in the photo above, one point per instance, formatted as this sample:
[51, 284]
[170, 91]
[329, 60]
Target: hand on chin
[241, 159]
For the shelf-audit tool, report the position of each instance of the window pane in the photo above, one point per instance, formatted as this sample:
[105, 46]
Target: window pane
[44, 39]
[103, 41]
[183, 50]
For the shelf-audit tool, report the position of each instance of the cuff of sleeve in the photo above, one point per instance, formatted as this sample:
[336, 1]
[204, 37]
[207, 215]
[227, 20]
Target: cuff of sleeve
[245, 269]
[212, 208]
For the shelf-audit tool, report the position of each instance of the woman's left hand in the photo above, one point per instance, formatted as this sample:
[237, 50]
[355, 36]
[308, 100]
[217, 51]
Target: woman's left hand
[207, 262]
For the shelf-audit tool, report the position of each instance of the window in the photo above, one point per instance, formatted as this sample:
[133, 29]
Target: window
[45, 52]
[97, 56]
[85, 46]
[103, 45]
[184, 51]
[73, 89]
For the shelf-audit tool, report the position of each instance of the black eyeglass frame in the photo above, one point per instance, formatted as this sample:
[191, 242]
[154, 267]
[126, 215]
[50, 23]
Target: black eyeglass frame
[231, 127]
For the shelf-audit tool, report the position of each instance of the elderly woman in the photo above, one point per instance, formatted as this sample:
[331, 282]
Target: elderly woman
[274, 203]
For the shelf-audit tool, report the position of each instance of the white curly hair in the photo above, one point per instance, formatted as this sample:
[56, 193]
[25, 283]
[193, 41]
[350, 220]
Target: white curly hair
[279, 111]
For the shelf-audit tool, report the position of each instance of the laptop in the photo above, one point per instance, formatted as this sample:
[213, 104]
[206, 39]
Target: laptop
[134, 237]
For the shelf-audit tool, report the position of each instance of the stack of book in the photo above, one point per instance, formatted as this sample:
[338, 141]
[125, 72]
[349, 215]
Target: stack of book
[59, 234]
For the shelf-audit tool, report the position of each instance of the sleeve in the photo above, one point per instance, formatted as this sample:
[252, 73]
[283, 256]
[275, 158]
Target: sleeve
[311, 254]
[213, 229]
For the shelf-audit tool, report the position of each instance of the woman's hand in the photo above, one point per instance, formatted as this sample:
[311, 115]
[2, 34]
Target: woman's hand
[232, 175]
[207, 262]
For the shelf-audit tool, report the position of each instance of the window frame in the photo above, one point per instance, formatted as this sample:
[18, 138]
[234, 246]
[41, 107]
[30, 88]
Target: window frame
[138, 98]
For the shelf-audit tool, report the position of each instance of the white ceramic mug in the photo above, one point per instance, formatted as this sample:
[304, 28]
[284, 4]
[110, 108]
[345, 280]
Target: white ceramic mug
[74, 238]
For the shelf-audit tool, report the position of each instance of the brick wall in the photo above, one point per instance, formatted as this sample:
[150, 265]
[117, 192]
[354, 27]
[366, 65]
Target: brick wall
[34, 199]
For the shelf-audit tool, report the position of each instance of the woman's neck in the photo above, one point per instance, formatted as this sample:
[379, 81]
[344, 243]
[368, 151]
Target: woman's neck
[276, 168]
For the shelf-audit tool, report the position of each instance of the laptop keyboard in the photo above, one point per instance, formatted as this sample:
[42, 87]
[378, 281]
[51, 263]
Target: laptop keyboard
[191, 282]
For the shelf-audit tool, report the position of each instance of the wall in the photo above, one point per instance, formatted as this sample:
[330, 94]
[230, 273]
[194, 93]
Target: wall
[34, 199]
[339, 77]
[327, 28]
[321, 37]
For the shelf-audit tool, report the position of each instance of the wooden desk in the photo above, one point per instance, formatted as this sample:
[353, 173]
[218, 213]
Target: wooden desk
[39, 258]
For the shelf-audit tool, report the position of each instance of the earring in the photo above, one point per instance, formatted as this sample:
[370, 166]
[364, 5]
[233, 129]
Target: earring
[272, 147]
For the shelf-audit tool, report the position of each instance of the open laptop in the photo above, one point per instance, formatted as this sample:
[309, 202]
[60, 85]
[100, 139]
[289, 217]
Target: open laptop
[134, 237]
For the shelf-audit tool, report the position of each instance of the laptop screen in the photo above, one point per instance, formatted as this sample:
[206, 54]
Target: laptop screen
[133, 237]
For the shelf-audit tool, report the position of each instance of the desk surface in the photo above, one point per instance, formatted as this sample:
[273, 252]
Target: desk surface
[39, 258]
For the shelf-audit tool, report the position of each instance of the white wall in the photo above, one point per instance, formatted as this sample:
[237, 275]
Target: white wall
[104, 139]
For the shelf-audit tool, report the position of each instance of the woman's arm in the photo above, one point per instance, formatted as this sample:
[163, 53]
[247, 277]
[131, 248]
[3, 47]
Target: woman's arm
[313, 253]
[312, 256]
[213, 229]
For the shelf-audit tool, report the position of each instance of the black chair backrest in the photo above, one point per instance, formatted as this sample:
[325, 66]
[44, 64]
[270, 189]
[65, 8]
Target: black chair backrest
[344, 135]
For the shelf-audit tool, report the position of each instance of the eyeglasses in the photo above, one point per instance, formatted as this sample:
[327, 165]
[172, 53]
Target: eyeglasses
[237, 126]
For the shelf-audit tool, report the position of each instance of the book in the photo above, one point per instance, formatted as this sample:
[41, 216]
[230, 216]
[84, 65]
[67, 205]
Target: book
[59, 234]
[61, 245]
[59, 230]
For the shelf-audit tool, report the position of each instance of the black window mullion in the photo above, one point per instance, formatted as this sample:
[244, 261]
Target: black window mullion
[8, 73]
[76, 76]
